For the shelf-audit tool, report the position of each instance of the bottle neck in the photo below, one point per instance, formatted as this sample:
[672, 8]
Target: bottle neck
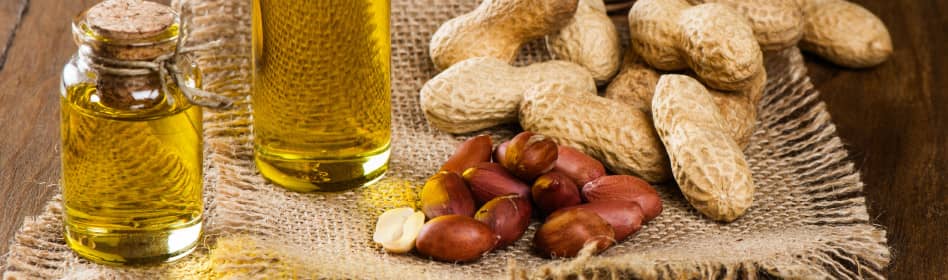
[124, 69]
[129, 58]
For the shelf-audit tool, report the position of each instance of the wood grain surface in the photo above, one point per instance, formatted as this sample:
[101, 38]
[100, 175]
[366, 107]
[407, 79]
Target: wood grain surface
[892, 117]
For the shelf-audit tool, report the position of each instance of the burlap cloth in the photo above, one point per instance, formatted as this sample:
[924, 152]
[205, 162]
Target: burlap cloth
[809, 217]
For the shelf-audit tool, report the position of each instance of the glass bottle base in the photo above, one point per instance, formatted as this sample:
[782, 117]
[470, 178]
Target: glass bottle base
[123, 247]
[323, 174]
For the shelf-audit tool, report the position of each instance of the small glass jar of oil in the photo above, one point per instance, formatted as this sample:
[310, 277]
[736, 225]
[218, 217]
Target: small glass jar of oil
[131, 141]
[321, 92]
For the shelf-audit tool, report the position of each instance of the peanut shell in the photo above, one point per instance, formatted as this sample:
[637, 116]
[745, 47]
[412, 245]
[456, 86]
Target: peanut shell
[619, 136]
[708, 164]
[711, 39]
[498, 29]
[589, 39]
[844, 33]
[483, 92]
[777, 24]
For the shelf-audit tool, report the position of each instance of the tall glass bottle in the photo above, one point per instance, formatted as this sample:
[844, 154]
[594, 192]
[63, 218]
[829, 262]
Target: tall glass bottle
[131, 141]
[321, 92]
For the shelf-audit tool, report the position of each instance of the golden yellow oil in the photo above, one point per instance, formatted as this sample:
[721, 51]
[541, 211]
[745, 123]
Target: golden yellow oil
[132, 175]
[321, 92]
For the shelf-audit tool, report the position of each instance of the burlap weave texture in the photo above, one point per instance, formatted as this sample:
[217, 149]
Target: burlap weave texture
[809, 219]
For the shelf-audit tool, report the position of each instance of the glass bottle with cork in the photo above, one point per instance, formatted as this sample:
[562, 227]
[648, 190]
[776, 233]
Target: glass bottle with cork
[131, 138]
[321, 92]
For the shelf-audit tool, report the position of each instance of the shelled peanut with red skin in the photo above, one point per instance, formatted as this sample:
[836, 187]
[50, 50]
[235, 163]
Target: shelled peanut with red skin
[475, 150]
[625, 217]
[446, 193]
[578, 166]
[554, 191]
[488, 180]
[455, 238]
[508, 216]
[625, 188]
[528, 155]
[567, 231]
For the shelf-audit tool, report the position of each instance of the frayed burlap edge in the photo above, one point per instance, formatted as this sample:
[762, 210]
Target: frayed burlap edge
[812, 222]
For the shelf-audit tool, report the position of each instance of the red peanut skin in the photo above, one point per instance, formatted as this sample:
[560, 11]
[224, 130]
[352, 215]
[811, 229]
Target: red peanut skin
[475, 150]
[446, 193]
[628, 188]
[529, 155]
[625, 216]
[553, 191]
[489, 180]
[508, 216]
[578, 166]
[567, 231]
[501, 151]
[455, 238]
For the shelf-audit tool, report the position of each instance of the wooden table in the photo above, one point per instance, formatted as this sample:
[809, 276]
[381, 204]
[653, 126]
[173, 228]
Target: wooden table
[893, 118]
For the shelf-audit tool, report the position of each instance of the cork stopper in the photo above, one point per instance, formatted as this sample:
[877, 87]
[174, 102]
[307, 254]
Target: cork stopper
[130, 19]
[129, 29]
